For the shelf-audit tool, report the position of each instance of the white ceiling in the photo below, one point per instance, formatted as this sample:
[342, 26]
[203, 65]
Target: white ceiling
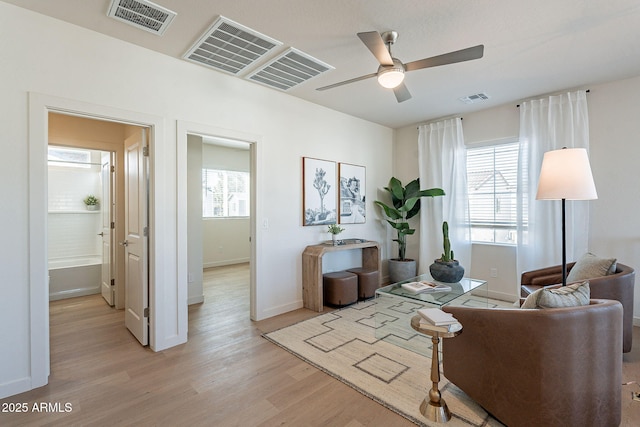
[531, 47]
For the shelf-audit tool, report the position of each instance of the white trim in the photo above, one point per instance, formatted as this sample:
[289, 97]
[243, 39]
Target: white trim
[502, 296]
[195, 300]
[38, 242]
[162, 334]
[183, 128]
[490, 142]
[225, 262]
[18, 386]
[285, 308]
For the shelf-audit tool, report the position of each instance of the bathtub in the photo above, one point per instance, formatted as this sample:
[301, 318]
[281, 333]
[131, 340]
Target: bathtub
[74, 277]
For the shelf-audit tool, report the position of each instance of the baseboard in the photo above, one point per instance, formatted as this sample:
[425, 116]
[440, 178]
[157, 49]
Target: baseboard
[195, 300]
[502, 296]
[281, 309]
[225, 262]
[636, 321]
[12, 388]
[72, 293]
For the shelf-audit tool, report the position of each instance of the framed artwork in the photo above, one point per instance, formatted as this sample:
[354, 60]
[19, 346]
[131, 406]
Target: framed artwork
[352, 207]
[319, 191]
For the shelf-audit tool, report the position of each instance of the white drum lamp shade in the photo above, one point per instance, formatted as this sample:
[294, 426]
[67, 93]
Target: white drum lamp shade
[566, 175]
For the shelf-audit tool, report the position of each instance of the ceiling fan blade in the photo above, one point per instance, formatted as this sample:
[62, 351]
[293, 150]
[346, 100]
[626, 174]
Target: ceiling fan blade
[357, 79]
[467, 54]
[375, 44]
[402, 93]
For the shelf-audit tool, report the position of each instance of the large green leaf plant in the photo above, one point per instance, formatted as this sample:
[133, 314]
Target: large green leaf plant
[406, 205]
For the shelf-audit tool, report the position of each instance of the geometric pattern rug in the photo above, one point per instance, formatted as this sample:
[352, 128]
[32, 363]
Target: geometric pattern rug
[343, 344]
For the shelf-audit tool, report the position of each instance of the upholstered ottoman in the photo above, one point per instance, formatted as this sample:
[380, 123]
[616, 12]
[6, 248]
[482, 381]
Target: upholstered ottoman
[340, 288]
[368, 281]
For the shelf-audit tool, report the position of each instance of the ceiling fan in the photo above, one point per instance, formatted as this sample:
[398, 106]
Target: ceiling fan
[391, 71]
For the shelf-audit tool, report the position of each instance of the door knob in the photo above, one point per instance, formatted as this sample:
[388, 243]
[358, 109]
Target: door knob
[124, 243]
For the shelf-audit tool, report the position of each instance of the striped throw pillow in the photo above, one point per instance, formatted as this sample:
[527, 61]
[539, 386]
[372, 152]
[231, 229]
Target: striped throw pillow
[573, 295]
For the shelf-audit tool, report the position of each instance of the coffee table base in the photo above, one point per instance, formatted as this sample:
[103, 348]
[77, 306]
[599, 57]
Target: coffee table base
[435, 411]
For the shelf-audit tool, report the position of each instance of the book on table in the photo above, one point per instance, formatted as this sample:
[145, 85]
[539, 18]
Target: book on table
[444, 328]
[424, 286]
[437, 317]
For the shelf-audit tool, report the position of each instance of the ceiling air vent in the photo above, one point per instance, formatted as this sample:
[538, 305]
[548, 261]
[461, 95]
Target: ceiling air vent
[142, 14]
[473, 99]
[288, 70]
[230, 47]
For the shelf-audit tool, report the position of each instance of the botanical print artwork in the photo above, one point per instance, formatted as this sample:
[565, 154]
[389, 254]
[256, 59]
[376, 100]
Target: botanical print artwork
[319, 191]
[352, 194]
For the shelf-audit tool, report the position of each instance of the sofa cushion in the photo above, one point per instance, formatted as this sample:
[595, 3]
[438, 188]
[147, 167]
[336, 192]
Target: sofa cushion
[573, 295]
[590, 266]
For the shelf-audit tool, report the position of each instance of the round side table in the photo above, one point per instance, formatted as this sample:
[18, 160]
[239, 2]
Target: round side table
[433, 407]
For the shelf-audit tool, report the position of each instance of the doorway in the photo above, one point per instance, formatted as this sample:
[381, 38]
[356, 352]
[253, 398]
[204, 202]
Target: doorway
[191, 140]
[219, 215]
[120, 220]
[79, 218]
[165, 295]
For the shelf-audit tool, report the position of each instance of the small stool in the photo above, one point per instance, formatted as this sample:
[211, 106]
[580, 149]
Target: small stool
[368, 281]
[340, 288]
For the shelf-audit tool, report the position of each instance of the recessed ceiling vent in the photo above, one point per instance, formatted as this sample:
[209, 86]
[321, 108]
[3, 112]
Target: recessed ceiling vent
[142, 14]
[474, 99]
[288, 70]
[230, 47]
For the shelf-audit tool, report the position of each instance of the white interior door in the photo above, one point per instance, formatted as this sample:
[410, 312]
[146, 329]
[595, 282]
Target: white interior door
[135, 243]
[108, 184]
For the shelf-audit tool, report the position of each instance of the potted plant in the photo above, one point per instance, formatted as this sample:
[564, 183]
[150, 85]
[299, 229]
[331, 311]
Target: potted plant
[91, 202]
[446, 268]
[406, 205]
[335, 229]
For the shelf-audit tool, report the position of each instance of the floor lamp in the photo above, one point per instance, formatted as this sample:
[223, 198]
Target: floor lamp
[566, 175]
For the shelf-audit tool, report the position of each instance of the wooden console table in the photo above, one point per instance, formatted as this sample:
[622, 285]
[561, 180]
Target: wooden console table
[312, 268]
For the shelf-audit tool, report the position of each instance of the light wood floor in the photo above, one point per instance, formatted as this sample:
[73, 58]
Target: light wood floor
[226, 375]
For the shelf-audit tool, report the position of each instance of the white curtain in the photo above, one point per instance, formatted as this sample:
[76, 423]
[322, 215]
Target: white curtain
[442, 160]
[549, 124]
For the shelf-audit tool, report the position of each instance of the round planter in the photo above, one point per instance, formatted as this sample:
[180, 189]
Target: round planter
[400, 270]
[93, 207]
[447, 272]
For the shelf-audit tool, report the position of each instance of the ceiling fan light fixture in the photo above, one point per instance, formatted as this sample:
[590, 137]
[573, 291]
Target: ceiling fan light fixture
[391, 76]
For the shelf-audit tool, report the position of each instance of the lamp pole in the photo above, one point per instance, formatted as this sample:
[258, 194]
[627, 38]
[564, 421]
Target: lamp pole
[566, 175]
[564, 246]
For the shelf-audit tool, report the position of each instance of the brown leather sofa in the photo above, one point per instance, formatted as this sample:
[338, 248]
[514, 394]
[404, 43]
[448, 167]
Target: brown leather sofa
[542, 367]
[618, 286]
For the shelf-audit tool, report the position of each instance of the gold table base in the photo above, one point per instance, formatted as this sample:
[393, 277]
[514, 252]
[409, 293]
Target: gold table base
[433, 407]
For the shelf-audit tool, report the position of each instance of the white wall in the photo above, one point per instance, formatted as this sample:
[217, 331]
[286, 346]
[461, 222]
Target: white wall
[73, 230]
[50, 57]
[614, 154]
[225, 241]
[195, 292]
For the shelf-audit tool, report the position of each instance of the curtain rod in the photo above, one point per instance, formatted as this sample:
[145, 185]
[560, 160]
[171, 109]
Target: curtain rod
[436, 120]
[588, 90]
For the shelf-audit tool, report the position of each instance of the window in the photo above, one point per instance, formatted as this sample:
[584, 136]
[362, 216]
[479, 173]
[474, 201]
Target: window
[492, 185]
[224, 193]
[69, 157]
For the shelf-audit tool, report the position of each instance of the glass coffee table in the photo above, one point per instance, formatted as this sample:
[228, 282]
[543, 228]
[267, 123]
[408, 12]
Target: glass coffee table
[395, 307]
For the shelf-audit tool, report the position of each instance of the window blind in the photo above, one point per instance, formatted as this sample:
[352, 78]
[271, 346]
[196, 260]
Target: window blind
[492, 187]
[225, 193]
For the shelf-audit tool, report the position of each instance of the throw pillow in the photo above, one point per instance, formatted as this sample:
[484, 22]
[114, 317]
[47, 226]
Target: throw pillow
[573, 295]
[532, 300]
[590, 266]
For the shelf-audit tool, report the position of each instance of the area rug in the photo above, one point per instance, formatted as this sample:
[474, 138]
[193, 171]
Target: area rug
[343, 344]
